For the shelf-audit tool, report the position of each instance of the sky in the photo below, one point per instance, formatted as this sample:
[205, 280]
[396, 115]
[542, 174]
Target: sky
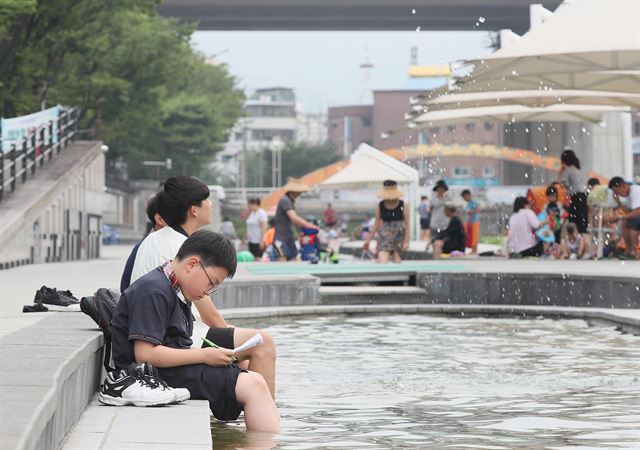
[324, 66]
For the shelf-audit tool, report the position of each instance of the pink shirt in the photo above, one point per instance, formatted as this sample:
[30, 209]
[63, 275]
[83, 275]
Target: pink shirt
[521, 227]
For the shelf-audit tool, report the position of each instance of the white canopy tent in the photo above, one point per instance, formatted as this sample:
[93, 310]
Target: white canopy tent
[532, 98]
[368, 168]
[517, 113]
[584, 44]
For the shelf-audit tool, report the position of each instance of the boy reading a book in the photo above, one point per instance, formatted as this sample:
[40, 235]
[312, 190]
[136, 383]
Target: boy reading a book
[153, 323]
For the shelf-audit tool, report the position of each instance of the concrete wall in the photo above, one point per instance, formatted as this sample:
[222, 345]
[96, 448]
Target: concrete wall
[57, 215]
[530, 289]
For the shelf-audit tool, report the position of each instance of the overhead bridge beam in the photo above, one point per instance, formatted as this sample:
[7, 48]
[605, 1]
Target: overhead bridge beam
[346, 15]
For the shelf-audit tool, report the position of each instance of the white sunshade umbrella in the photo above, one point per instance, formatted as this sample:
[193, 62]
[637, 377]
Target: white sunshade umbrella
[516, 113]
[584, 44]
[531, 98]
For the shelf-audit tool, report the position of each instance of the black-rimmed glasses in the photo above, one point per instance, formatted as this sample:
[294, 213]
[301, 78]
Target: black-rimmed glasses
[214, 287]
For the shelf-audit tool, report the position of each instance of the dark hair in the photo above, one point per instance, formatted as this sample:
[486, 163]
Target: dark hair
[569, 158]
[551, 190]
[616, 182]
[254, 201]
[423, 197]
[390, 183]
[450, 208]
[593, 182]
[213, 249]
[152, 209]
[465, 192]
[178, 195]
[520, 203]
[571, 228]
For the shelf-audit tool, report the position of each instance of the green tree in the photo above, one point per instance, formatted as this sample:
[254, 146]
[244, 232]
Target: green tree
[132, 74]
[297, 160]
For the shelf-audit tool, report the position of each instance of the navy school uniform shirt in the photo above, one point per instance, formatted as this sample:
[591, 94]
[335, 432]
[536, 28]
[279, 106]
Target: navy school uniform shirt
[151, 311]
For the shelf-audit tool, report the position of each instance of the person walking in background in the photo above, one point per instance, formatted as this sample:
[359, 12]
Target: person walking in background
[575, 183]
[522, 225]
[451, 239]
[284, 244]
[472, 224]
[425, 215]
[439, 219]
[329, 217]
[392, 224]
[256, 227]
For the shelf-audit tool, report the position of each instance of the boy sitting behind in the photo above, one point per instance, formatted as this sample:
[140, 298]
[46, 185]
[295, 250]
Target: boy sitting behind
[572, 244]
[153, 323]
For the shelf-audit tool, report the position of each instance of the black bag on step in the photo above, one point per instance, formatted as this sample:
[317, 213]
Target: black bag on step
[100, 307]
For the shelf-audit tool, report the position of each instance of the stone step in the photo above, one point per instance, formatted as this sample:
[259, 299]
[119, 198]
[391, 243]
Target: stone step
[357, 295]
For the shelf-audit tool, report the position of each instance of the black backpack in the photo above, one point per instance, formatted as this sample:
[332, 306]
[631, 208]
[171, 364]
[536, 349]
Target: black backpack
[100, 307]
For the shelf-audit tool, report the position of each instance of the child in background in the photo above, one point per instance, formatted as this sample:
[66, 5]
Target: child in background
[572, 244]
[555, 212]
[310, 243]
[267, 241]
[472, 224]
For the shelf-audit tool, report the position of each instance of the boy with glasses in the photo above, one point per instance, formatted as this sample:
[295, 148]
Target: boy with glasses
[153, 324]
[184, 205]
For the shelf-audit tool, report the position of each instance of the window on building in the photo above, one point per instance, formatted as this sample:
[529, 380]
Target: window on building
[451, 128]
[334, 125]
[366, 121]
[470, 126]
[489, 171]
[461, 171]
[423, 138]
[238, 136]
[435, 130]
[488, 126]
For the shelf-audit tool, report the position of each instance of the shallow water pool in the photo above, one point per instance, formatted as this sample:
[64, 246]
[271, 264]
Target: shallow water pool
[417, 381]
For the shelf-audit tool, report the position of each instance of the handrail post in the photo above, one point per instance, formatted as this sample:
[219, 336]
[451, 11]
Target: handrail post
[12, 171]
[1, 172]
[25, 145]
[34, 146]
[50, 144]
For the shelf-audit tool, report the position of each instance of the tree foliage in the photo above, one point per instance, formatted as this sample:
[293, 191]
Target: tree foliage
[297, 160]
[138, 83]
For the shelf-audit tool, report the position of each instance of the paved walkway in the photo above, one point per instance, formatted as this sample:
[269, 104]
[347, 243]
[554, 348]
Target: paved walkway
[18, 286]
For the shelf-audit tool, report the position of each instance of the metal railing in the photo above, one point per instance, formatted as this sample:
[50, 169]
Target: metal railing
[31, 152]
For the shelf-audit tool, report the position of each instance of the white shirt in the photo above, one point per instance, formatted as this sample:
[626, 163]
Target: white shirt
[521, 227]
[158, 247]
[634, 196]
[254, 225]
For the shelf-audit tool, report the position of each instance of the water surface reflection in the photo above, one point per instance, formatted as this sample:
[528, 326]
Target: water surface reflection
[414, 381]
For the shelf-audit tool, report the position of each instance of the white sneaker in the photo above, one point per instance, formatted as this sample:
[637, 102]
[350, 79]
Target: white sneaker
[180, 394]
[126, 387]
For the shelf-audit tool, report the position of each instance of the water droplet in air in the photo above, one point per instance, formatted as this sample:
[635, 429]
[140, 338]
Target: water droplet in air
[413, 11]
[481, 19]
[418, 29]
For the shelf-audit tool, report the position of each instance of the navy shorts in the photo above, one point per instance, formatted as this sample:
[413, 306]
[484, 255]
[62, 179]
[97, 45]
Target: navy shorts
[634, 223]
[215, 384]
[286, 250]
[222, 337]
